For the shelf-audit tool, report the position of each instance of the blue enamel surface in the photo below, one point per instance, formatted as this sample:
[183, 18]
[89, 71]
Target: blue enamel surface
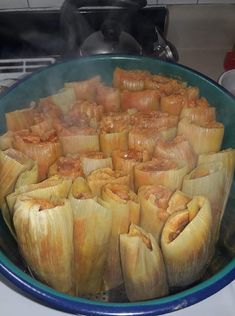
[48, 80]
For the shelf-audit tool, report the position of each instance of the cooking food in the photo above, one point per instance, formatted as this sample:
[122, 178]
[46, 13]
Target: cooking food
[122, 185]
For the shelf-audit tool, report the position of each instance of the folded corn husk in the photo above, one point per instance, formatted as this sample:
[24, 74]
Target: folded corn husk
[55, 186]
[15, 170]
[125, 160]
[187, 243]
[167, 172]
[44, 151]
[124, 207]
[20, 119]
[178, 148]
[95, 160]
[142, 265]
[153, 205]
[92, 228]
[80, 143]
[44, 230]
[208, 179]
[110, 141]
[199, 114]
[227, 157]
[109, 97]
[63, 99]
[68, 166]
[129, 79]
[99, 177]
[6, 140]
[145, 100]
[84, 89]
[204, 137]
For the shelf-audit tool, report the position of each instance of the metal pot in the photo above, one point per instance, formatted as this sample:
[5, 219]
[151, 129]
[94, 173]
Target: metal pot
[110, 39]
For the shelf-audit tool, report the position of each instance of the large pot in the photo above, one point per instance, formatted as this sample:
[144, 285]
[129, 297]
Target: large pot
[50, 79]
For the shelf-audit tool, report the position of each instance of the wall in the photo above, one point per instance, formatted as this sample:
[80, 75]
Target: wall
[202, 34]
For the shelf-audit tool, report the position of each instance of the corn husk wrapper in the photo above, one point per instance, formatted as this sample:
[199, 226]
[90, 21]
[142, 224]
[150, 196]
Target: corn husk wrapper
[208, 179]
[97, 178]
[146, 100]
[133, 80]
[44, 152]
[140, 139]
[204, 137]
[6, 140]
[154, 119]
[44, 232]
[95, 160]
[178, 148]
[92, 228]
[20, 119]
[75, 144]
[153, 205]
[125, 160]
[173, 104]
[227, 157]
[113, 141]
[69, 166]
[165, 85]
[109, 97]
[64, 99]
[84, 89]
[199, 114]
[142, 265]
[186, 242]
[124, 207]
[167, 172]
[15, 170]
[55, 186]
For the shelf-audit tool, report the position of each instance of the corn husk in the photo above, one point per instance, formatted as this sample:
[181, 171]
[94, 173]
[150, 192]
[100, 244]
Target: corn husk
[125, 160]
[55, 186]
[133, 80]
[204, 137]
[80, 143]
[63, 99]
[227, 157]
[209, 180]
[186, 242]
[45, 152]
[92, 228]
[44, 230]
[173, 104]
[164, 84]
[95, 160]
[69, 166]
[199, 114]
[124, 207]
[113, 141]
[142, 265]
[153, 205]
[144, 101]
[15, 169]
[178, 148]
[109, 97]
[84, 89]
[20, 119]
[97, 178]
[143, 139]
[6, 140]
[167, 172]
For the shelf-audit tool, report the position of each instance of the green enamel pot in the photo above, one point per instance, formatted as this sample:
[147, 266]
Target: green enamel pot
[47, 81]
